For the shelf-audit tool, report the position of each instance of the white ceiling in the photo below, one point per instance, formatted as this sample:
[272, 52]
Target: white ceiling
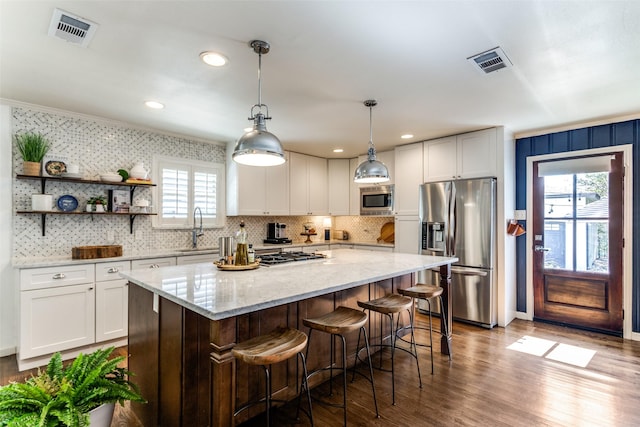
[573, 61]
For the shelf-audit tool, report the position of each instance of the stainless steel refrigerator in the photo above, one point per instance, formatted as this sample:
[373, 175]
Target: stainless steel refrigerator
[458, 218]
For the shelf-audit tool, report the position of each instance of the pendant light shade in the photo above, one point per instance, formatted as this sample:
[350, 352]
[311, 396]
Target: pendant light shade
[258, 147]
[371, 171]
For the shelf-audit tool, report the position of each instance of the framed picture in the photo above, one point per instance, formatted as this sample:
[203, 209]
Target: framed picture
[54, 165]
[119, 201]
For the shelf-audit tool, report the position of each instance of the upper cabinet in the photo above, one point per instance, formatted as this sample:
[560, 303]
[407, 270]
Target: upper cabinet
[308, 185]
[339, 177]
[258, 191]
[470, 155]
[408, 160]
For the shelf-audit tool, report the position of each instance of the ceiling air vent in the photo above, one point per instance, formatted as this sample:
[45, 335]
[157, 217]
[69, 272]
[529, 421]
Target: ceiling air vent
[71, 28]
[491, 60]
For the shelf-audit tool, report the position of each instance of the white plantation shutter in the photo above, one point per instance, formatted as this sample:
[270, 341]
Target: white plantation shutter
[184, 185]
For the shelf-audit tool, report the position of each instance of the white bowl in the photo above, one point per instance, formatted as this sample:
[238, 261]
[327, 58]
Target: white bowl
[110, 177]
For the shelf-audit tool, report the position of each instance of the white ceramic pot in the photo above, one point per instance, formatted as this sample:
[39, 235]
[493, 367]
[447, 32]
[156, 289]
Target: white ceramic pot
[138, 171]
[99, 208]
[102, 415]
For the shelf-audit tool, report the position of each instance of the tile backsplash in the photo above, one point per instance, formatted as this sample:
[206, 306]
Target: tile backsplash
[98, 145]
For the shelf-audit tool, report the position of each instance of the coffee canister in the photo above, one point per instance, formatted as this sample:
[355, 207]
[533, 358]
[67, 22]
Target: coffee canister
[41, 202]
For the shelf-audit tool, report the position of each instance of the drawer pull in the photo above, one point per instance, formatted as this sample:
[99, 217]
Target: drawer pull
[90, 289]
[58, 276]
[113, 270]
[154, 266]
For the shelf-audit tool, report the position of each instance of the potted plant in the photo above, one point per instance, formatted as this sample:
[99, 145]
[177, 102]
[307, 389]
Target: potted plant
[62, 396]
[98, 201]
[32, 147]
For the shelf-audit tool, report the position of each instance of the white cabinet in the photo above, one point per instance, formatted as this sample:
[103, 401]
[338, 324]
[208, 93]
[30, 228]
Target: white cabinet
[354, 189]
[408, 159]
[57, 309]
[196, 259]
[339, 184]
[257, 191]
[308, 193]
[407, 234]
[112, 301]
[470, 155]
[153, 263]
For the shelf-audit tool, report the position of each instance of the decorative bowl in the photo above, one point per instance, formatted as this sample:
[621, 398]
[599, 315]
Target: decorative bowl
[110, 177]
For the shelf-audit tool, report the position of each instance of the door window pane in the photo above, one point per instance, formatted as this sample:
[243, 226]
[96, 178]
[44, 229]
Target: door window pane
[558, 196]
[558, 239]
[592, 238]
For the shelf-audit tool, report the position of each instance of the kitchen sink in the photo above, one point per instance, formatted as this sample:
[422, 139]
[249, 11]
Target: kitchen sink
[192, 250]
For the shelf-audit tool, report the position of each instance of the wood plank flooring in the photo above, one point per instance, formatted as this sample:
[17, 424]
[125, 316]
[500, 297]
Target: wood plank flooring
[486, 384]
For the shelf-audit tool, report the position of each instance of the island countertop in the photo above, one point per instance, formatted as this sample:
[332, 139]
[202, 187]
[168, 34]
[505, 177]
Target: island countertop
[217, 294]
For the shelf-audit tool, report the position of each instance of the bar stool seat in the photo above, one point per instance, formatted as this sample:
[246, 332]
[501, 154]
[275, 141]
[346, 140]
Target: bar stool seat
[427, 293]
[264, 350]
[390, 306]
[338, 323]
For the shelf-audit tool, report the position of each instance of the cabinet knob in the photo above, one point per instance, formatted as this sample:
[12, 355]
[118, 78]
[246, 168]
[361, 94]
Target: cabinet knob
[90, 289]
[113, 270]
[59, 276]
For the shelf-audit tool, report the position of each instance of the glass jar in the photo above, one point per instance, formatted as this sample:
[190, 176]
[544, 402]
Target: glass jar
[251, 254]
[242, 252]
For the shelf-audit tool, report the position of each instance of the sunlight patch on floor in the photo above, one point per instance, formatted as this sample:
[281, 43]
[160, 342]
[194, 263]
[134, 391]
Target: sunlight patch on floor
[572, 355]
[565, 353]
[532, 345]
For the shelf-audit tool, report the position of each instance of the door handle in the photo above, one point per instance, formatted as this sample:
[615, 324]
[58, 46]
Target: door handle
[540, 248]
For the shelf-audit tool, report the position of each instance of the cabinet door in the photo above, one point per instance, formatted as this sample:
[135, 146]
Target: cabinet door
[49, 277]
[339, 185]
[276, 188]
[318, 186]
[308, 185]
[440, 159]
[153, 263]
[111, 270]
[112, 308]
[354, 189]
[298, 184]
[388, 158]
[56, 319]
[407, 235]
[251, 196]
[196, 259]
[477, 154]
[408, 159]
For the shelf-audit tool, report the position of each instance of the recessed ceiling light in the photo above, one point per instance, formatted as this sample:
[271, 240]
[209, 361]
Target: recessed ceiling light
[338, 150]
[407, 136]
[214, 59]
[154, 104]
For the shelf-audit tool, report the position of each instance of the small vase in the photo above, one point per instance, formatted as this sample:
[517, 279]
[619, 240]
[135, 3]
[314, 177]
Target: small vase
[99, 208]
[89, 207]
[31, 168]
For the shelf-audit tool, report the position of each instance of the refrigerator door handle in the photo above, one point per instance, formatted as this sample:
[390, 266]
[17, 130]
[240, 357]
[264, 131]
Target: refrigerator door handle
[466, 271]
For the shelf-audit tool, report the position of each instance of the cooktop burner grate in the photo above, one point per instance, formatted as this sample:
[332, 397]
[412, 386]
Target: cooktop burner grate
[284, 257]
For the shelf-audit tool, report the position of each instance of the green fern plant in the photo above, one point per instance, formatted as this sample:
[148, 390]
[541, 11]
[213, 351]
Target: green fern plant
[32, 146]
[64, 397]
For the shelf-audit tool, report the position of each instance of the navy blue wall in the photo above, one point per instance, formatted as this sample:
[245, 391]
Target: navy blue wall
[580, 139]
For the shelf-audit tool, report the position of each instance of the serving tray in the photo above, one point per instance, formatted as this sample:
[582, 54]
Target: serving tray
[232, 267]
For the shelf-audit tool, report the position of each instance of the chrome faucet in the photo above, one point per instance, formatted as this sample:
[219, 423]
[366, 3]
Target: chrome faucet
[197, 231]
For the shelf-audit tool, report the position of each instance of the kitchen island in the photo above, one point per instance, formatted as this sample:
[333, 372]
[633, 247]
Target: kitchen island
[184, 321]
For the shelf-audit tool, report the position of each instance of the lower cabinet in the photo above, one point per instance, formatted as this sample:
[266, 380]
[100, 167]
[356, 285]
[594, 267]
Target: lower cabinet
[56, 319]
[68, 308]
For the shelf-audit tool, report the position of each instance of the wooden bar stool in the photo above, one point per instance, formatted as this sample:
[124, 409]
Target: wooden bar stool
[427, 293]
[265, 350]
[390, 306]
[337, 323]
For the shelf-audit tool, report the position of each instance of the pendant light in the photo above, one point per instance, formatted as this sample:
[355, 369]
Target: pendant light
[258, 147]
[371, 171]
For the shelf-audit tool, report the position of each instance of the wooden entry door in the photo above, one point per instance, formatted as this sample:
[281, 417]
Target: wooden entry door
[578, 241]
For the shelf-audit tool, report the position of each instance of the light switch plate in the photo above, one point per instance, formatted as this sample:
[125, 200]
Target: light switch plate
[520, 215]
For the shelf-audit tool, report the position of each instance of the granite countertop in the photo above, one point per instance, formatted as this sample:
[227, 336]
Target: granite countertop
[218, 294]
[173, 252]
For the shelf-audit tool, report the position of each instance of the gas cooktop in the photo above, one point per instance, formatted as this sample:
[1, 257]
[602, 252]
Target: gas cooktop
[284, 257]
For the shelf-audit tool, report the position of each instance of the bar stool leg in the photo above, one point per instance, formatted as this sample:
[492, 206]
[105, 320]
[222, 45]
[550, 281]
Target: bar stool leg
[413, 345]
[344, 377]
[373, 387]
[305, 384]
[267, 392]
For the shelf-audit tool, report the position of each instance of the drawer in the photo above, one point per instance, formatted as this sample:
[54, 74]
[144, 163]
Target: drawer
[48, 277]
[110, 270]
[153, 263]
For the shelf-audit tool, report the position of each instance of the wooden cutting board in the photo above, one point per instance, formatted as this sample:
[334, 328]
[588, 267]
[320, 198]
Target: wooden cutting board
[387, 233]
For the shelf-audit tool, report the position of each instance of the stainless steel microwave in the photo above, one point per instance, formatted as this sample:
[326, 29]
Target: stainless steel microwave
[376, 200]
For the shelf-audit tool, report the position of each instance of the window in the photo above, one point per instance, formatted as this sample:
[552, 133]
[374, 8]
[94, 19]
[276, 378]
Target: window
[183, 186]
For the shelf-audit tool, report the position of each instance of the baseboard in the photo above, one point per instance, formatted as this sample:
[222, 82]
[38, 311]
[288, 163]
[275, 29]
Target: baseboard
[7, 351]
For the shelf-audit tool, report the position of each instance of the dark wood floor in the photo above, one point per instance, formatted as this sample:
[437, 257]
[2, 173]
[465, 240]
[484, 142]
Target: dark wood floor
[486, 384]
